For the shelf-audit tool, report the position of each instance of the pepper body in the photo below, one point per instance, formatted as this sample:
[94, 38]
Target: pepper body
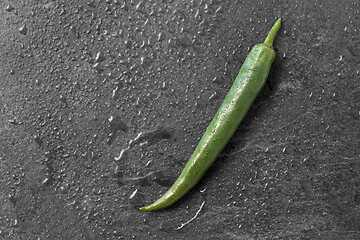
[246, 87]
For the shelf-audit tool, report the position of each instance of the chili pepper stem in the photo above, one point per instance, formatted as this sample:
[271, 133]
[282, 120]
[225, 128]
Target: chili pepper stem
[270, 37]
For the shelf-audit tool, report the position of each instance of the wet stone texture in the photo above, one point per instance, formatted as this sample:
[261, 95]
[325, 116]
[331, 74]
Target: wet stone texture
[103, 101]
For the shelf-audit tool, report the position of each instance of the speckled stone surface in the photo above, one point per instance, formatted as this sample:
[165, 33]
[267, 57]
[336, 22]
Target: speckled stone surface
[102, 103]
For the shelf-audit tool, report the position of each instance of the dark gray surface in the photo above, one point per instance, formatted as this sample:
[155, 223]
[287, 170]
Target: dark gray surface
[82, 81]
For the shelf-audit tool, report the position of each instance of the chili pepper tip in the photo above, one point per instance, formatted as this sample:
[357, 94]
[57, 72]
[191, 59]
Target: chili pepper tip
[144, 209]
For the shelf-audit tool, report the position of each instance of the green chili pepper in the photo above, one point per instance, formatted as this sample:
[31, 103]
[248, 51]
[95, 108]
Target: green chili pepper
[247, 85]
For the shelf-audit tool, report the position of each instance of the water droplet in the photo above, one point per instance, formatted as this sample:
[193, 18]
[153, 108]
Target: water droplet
[23, 29]
[133, 194]
[9, 8]
[99, 57]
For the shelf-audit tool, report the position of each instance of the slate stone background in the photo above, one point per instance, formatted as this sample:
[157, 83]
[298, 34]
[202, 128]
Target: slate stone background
[103, 102]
